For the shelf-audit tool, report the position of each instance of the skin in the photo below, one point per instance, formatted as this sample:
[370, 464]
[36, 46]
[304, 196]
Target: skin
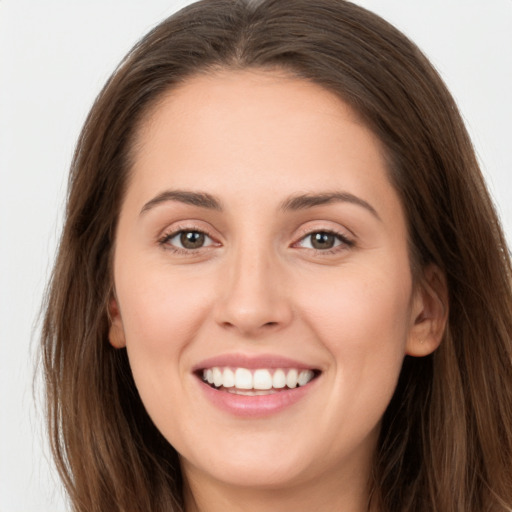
[253, 139]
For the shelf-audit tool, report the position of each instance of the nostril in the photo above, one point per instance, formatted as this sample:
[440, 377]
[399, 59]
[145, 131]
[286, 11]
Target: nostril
[231, 325]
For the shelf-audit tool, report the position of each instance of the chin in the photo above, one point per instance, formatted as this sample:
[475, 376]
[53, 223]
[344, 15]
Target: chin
[270, 475]
[261, 466]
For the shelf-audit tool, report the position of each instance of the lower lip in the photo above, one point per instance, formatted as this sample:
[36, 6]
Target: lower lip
[258, 405]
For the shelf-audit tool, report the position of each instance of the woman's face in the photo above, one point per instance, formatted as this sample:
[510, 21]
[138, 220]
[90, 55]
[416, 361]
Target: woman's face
[260, 241]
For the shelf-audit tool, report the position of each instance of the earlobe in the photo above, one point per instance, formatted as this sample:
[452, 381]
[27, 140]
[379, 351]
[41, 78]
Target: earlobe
[429, 313]
[116, 331]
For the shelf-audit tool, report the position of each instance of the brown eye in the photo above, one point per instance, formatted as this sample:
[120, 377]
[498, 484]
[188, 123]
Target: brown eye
[322, 240]
[187, 240]
[192, 239]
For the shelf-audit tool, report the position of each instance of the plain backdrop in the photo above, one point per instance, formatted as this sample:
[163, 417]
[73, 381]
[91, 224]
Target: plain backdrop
[55, 56]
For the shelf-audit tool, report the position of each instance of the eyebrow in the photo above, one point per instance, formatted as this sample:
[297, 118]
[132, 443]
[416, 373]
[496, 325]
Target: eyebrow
[304, 201]
[200, 199]
[293, 203]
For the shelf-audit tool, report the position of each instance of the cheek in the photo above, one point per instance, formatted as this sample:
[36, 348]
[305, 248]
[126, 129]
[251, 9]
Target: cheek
[361, 305]
[161, 313]
[363, 319]
[160, 310]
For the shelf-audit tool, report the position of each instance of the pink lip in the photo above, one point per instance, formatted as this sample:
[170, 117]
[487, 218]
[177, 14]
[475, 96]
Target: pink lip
[259, 405]
[251, 362]
[255, 406]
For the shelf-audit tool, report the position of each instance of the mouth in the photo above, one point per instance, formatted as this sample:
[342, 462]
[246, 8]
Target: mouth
[256, 382]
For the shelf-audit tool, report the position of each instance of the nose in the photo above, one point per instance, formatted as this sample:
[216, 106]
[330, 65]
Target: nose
[253, 297]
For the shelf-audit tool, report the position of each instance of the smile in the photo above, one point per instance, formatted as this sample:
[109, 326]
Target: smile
[261, 381]
[255, 386]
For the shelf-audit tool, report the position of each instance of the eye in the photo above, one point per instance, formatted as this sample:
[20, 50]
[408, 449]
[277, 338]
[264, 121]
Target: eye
[324, 240]
[187, 239]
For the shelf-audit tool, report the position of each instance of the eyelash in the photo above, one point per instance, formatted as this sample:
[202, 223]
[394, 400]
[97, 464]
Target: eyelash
[165, 239]
[345, 242]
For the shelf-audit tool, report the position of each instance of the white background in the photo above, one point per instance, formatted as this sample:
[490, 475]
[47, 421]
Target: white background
[54, 57]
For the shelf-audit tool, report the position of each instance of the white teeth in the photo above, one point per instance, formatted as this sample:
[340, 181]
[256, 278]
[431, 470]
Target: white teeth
[291, 379]
[279, 379]
[229, 378]
[304, 377]
[217, 377]
[262, 381]
[243, 378]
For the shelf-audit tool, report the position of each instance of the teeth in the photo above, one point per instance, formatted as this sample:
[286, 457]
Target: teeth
[243, 378]
[291, 378]
[228, 378]
[261, 381]
[279, 379]
[304, 377]
[217, 377]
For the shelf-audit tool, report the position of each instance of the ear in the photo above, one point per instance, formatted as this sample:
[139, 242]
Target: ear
[116, 330]
[429, 313]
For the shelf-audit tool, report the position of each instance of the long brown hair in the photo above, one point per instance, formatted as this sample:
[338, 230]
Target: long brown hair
[446, 439]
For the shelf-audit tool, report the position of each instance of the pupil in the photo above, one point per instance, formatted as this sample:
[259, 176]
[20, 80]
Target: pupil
[192, 239]
[323, 240]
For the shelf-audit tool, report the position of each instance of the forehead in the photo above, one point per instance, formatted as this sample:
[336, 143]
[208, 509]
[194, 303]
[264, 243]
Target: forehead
[248, 86]
[241, 131]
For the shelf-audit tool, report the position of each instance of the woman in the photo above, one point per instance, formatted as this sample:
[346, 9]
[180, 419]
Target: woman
[281, 284]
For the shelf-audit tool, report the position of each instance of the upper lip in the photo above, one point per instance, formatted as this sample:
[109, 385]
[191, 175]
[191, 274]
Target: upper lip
[252, 362]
